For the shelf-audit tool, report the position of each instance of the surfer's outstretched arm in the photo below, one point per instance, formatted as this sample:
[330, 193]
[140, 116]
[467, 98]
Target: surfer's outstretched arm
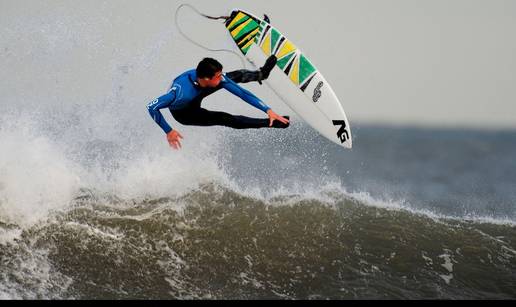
[173, 136]
[246, 95]
[251, 99]
[161, 103]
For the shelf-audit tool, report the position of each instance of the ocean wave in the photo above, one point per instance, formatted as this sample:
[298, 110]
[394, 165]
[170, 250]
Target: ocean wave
[215, 242]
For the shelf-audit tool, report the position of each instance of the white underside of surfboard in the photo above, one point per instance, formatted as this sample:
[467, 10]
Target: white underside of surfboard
[326, 115]
[294, 78]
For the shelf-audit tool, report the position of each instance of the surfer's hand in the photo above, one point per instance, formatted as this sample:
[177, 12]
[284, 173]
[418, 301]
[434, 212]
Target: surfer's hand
[173, 138]
[273, 116]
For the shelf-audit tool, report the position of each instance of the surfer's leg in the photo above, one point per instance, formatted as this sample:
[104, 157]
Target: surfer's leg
[268, 66]
[205, 118]
[213, 118]
[238, 121]
[245, 76]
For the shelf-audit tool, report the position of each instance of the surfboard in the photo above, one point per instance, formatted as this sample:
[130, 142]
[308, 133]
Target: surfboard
[295, 79]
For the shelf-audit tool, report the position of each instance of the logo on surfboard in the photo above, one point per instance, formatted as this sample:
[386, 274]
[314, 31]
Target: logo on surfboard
[343, 133]
[318, 92]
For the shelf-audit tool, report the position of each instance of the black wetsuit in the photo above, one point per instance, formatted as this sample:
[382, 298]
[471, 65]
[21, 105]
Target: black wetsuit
[193, 114]
[185, 97]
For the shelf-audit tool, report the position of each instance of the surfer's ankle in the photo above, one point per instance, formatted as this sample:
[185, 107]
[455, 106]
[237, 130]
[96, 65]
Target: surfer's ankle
[265, 70]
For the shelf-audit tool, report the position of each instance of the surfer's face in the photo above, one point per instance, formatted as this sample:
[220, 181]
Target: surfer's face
[214, 81]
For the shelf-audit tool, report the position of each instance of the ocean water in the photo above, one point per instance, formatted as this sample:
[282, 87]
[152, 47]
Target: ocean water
[409, 213]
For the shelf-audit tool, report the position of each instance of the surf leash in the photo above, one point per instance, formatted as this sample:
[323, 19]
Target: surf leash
[224, 18]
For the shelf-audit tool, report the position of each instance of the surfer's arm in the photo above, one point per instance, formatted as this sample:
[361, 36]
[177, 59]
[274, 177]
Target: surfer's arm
[161, 103]
[246, 95]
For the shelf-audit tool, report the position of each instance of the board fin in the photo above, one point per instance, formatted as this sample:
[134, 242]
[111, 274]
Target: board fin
[266, 19]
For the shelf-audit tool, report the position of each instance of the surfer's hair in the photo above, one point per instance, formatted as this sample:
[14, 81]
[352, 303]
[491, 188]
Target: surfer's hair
[207, 68]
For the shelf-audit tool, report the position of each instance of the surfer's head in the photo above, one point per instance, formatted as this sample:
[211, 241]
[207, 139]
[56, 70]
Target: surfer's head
[209, 73]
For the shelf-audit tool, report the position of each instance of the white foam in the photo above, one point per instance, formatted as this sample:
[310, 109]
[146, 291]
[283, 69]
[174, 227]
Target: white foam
[155, 176]
[39, 175]
[35, 177]
[368, 200]
[448, 261]
[9, 235]
[294, 192]
[331, 190]
[32, 276]
[447, 278]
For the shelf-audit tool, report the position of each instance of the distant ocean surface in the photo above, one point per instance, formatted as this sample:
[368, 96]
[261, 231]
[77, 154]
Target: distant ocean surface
[408, 213]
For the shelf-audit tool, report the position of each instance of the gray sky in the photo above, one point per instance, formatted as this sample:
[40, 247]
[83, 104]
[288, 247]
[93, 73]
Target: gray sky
[428, 62]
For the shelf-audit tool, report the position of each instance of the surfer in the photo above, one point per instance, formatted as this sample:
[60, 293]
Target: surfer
[190, 88]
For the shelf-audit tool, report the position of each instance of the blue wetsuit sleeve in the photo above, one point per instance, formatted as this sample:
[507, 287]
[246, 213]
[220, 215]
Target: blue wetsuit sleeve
[246, 95]
[160, 103]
